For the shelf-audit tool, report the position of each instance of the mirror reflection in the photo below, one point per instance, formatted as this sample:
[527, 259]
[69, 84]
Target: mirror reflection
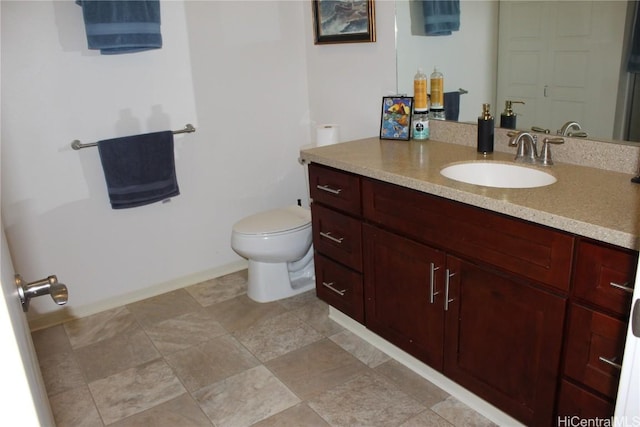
[563, 64]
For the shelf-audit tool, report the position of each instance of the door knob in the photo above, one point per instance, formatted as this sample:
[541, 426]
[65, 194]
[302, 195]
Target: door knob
[47, 286]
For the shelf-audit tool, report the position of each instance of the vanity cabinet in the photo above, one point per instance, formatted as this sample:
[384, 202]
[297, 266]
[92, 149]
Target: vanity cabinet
[596, 329]
[337, 239]
[515, 312]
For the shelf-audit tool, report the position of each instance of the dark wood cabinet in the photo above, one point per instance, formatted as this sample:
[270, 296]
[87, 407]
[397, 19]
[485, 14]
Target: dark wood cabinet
[519, 314]
[337, 239]
[503, 338]
[596, 329]
[404, 291]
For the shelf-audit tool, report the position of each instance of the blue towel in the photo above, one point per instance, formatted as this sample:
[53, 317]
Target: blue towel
[139, 169]
[441, 17]
[633, 64]
[452, 105]
[116, 27]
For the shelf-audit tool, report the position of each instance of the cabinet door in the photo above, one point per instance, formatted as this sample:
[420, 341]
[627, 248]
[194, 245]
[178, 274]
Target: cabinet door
[594, 349]
[402, 303]
[503, 340]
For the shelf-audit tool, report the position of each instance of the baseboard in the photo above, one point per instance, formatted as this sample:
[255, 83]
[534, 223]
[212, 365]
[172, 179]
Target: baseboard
[67, 313]
[463, 395]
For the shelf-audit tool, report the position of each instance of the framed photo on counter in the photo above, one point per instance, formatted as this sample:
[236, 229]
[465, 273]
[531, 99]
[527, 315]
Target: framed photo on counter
[396, 117]
[343, 21]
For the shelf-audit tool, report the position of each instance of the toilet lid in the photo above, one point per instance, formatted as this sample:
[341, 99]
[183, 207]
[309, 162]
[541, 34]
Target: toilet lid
[277, 220]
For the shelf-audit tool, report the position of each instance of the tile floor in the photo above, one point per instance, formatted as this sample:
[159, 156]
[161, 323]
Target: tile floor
[207, 355]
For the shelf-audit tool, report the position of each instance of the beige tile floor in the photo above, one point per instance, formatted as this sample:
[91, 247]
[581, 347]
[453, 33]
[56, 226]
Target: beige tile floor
[208, 355]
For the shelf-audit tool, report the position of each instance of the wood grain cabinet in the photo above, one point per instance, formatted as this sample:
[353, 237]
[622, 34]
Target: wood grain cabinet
[337, 239]
[596, 329]
[518, 313]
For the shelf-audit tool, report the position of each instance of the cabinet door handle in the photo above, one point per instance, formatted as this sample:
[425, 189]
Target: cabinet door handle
[330, 286]
[432, 283]
[624, 286]
[327, 235]
[610, 362]
[329, 189]
[447, 282]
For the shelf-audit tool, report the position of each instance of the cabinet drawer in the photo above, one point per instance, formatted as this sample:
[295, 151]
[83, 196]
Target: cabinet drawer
[574, 401]
[337, 236]
[605, 276]
[530, 250]
[338, 189]
[340, 287]
[592, 339]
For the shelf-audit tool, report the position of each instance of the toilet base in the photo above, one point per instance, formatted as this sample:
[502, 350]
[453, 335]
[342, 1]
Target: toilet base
[272, 281]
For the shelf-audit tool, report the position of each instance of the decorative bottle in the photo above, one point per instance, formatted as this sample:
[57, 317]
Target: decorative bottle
[437, 95]
[420, 103]
[485, 131]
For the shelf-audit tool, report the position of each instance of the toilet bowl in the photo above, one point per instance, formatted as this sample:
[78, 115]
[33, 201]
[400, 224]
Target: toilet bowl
[277, 244]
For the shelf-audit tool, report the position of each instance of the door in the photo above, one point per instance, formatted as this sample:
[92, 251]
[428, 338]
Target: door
[553, 54]
[24, 398]
[404, 293]
[503, 339]
[627, 407]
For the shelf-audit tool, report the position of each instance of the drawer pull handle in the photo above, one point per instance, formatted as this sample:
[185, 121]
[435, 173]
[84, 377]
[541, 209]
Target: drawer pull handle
[328, 189]
[330, 286]
[624, 286]
[610, 362]
[432, 283]
[328, 235]
[447, 282]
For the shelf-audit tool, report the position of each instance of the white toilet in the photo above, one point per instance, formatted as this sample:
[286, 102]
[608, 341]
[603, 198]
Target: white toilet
[277, 244]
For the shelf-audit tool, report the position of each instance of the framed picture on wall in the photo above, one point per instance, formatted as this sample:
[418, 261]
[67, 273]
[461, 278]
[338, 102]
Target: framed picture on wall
[396, 117]
[343, 21]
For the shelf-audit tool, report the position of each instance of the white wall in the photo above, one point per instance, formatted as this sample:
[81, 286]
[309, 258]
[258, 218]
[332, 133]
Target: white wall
[245, 74]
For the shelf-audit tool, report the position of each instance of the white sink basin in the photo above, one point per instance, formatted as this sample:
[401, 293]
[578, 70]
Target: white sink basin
[500, 175]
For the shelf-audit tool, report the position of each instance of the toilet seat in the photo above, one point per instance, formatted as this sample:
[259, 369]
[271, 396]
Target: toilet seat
[275, 221]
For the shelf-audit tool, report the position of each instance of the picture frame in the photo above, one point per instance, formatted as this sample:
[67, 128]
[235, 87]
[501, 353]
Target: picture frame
[395, 122]
[343, 21]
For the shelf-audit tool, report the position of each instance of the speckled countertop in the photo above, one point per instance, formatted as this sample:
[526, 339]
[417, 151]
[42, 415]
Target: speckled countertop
[596, 203]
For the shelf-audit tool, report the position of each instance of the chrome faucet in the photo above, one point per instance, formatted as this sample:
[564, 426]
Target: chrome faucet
[572, 129]
[527, 148]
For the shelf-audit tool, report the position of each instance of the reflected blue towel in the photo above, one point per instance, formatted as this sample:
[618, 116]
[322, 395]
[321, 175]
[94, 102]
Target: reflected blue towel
[139, 169]
[441, 17]
[122, 26]
[633, 64]
[452, 105]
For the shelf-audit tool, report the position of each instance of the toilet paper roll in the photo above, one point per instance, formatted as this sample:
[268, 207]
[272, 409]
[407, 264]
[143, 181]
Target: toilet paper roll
[327, 134]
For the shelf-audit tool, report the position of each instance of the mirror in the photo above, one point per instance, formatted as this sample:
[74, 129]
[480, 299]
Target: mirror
[512, 50]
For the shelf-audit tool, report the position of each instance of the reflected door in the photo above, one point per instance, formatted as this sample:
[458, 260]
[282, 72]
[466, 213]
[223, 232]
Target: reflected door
[562, 58]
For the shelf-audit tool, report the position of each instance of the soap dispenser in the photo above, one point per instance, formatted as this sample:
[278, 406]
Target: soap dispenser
[485, 131]
[508, 117]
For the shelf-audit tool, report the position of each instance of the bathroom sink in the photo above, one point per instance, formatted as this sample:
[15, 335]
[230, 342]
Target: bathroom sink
[500, 175]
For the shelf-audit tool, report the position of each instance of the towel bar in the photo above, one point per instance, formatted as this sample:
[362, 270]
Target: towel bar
[76, 145]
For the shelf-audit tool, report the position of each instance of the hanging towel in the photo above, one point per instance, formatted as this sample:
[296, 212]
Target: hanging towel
[441, 17]
[452, 105]
[139, 169]
[633, 64]
[119, 26]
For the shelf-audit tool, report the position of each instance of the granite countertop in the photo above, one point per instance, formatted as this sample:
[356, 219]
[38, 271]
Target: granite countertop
[595, 203]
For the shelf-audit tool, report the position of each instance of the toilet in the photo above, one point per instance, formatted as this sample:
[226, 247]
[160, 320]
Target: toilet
[277, 244]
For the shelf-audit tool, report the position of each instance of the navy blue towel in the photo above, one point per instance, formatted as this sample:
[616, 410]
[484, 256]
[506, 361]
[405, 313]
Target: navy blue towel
[633, 63]
[139, 169]
[441, 17]
[122, 26]
[452, 105]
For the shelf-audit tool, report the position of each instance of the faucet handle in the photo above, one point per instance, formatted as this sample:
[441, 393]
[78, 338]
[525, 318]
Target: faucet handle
[545, 155]
[541, 130]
